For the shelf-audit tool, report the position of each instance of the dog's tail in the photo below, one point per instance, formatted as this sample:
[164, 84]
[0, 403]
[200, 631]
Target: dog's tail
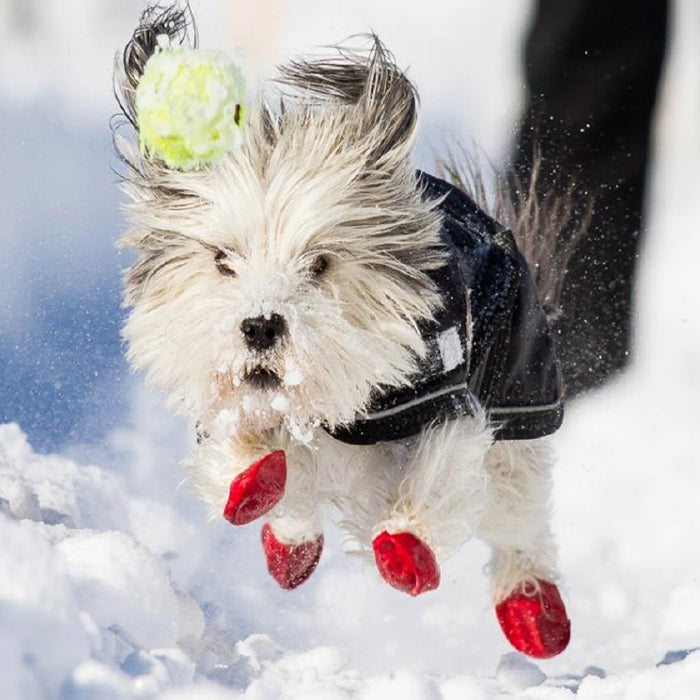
[547, 226]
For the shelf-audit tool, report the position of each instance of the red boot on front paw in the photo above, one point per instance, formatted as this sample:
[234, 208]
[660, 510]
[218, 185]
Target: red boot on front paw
[257, 490]
[406, 563]
[290, 564]
[536, 625]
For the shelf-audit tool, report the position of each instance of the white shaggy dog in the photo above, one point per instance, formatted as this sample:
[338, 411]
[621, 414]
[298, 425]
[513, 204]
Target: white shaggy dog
[280, 290]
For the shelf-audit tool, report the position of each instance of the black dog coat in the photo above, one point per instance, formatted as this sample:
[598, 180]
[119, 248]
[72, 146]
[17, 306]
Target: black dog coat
[490, 345]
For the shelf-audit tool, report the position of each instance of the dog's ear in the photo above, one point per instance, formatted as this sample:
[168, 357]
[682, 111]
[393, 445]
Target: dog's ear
[384, 101]
[388, 107]
[176, 22]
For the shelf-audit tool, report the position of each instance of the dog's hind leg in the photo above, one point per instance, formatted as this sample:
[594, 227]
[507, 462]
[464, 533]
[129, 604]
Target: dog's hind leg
[292, 537]
[516, 525]
[292, 548]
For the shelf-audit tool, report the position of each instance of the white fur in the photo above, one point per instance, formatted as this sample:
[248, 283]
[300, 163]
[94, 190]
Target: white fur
[331, 175]
[446, 485]
[516, 523]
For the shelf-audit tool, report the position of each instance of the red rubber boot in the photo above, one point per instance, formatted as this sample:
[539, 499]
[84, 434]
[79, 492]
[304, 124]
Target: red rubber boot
[536, 625]
[406, 563]
[257, 490]
[290, 564]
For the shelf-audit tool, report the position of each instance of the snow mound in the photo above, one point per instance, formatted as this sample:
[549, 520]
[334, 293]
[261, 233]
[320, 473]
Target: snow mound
[515, 672]
[87, 610]
[81, 605]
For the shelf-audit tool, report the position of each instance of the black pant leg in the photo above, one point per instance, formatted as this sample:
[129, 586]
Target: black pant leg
[593, 70]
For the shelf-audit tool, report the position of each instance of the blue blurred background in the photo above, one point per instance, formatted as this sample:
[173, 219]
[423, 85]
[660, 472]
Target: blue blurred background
[61, 365]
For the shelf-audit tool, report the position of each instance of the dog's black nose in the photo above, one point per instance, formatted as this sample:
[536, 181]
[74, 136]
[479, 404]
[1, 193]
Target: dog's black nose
[262, 333]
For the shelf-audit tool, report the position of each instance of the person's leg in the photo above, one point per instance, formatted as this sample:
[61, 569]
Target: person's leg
[592, 69]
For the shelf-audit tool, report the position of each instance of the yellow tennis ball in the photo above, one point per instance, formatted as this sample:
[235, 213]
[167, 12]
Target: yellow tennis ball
[190, 106]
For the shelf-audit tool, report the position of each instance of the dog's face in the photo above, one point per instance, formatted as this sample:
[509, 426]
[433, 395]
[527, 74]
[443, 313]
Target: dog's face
[286, 281]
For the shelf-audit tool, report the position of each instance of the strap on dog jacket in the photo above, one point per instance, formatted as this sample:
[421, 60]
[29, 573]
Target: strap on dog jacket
[490, 345]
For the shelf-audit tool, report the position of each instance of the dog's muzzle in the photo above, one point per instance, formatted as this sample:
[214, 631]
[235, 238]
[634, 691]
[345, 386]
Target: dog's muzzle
[262, 378]
[261, 333]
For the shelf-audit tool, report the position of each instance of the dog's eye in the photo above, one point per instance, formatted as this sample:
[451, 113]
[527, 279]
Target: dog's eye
[223, 264]
[319, 265]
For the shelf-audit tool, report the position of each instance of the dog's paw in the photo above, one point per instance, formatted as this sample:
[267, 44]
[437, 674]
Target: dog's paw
[257, 490]
[290, 564]
[406, 563]
[535, 624]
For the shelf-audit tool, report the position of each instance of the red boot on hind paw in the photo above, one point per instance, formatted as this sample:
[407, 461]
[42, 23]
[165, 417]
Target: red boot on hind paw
[406, 563]
[257, 490]
[290, 564]
[536, 625]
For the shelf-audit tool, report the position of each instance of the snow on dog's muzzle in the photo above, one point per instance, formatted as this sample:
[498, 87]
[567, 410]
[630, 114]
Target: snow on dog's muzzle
[262, 332]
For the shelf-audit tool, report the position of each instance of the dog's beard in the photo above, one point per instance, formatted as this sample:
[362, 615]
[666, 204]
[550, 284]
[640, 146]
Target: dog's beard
[322, 373]
[257, 393]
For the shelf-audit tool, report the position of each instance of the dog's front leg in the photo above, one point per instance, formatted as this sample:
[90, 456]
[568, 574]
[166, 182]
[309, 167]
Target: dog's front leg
[418, 500]
[439, 503]
[292, 536]
[523, 568]
[246, 477]
[241, 476]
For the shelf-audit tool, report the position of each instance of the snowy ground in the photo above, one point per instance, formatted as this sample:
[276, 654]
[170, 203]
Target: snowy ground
[113, 585]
